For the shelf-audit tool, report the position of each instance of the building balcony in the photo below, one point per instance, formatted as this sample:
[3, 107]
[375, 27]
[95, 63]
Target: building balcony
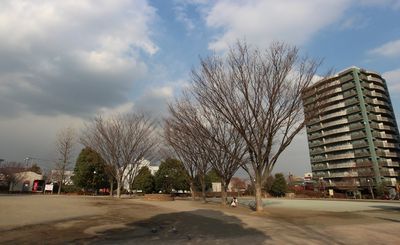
[354, 118]
[314, 136]
[376, 94]
[339, 148]
[356, 126]
[347, 86]
[383, 135]
[346, 78]
[389, 173]
[316, 151]
[334, 123]
[351, 101]
[342, 165]
[380, 118]
[369, 173]
[353, 110]
[382, 153]
[376, 102]
[340, 156]
[375, 79]
[332, 99]
[343, 174]
[360, 145]
[384, 144]
[350, 93]
[363, 164]
[362, 154]
[357, 135]
[313, 129]
[316, 143]
[333, 107]
[338, 139]
[381, 110]
[336, 131]
[388, 164]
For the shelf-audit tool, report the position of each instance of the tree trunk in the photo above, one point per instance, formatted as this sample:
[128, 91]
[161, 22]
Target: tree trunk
[258, 189]
[111, 187]
[61, 181]
[59, 188]
[203, 188]
[192, 190]
[119, 188]
[224, 196]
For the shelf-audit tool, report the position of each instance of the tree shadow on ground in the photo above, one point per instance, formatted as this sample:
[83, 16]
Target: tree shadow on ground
[387, 208]
[194, 227]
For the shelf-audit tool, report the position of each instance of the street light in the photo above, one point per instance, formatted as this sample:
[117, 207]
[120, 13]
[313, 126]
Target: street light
[94, 175]
[27, 161]
[370, 188]
[321, 179]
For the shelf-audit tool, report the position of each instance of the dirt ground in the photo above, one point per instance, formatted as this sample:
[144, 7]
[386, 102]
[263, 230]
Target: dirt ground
[103, 220]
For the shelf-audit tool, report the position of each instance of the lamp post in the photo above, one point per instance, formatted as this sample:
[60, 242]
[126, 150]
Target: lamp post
[94, 176]
[321, 179]
[370, 188]
[27, 161]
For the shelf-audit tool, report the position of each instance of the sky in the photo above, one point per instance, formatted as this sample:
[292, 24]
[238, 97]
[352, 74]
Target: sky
[64, 62]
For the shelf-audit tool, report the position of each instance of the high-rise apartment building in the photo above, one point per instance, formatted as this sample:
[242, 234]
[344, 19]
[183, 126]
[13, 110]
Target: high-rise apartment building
[352, 132]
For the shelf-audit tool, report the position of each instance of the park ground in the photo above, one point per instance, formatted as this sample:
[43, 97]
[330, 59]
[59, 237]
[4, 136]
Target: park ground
[38, 219]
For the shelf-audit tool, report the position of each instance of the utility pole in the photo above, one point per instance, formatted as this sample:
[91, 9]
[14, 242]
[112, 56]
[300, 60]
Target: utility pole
[370, 188]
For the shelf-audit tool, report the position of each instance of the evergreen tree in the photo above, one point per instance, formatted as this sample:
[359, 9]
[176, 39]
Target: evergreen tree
[279, 186]
[171, 175]
[144, 181]
[89, 170]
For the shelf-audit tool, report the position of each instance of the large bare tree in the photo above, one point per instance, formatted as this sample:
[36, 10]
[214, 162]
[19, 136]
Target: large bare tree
[122, 141]
[259, 94]
[65, 142]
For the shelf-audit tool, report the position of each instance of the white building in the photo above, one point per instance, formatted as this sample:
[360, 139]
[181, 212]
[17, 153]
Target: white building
[25, 181]
[132, 170]
[55, 176]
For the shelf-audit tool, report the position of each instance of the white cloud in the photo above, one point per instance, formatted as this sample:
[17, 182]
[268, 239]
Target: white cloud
[72, 57]
[389, 49]
[62, 62]
[262, 22]
[393, 80]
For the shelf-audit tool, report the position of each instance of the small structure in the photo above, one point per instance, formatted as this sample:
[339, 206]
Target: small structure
[27, 181]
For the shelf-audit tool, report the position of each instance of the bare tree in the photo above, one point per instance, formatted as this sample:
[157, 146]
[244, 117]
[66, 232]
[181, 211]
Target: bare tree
[9, 172]
[225, 147]
[205, 140]
[65, 142]
[122, 141]
[180, 136]
[259, 94]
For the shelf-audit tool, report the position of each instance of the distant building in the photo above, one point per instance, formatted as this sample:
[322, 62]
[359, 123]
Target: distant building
[352, 132]
[308, 177]
[27, 181]
[132, 170]
[55, 176]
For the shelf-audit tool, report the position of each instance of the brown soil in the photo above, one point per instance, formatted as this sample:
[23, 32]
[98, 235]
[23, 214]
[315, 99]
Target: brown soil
[133, 221]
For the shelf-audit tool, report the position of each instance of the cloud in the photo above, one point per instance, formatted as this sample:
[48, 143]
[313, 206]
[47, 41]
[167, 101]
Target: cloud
[390, 49]
[71, 57]
[393, 80]
[262, 22]
[393, 4]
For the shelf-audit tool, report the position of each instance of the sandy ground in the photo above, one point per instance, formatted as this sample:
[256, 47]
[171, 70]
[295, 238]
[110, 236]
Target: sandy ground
[103, 220]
